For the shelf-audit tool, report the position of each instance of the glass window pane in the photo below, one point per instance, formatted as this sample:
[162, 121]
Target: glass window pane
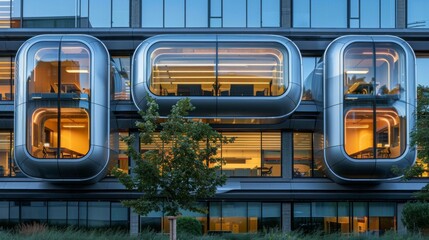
[120, 216]
[216, 8]
[359, 69]
[417, 14]
[5, 14]
[120, 13]
[271, 218]
[382, 217]
[4, 214]
[215, 216]
[72, 213]
[270, 13]
[33, 212]
[215, 22]
[359, 133]
[48, 13]
[5, 153]
[83, 214]
[390, 69]
[196, 13]
[360, 217]
[422, 71]
[301, 13]
[354, 8]
[120, 74]
[301, 217]
[98, 17]
[344, 217]
[253, 13]
[16, 14]
[271, 154]
[152, 13]
[14, 212]
[74, 133]
[369, 14]
[98, 214]
[388, 15]
[234, 13]
[234, 217]
[151, 222]
[308, 66]
[57, 213]
[251, 69]
[183, 70]
[243, 156]
[254, 216]
[322, 17]
[174, 13]
[302, 154]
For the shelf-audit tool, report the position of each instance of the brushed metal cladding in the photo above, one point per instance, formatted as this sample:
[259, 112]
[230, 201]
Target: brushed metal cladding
[91, 167]
[271, 108]
[341, 167]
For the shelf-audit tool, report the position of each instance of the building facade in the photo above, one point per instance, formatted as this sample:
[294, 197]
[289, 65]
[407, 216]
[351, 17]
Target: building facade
[319, 94]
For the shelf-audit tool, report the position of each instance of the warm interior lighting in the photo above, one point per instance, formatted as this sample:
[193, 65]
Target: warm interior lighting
[357, 71]
[73, 126]
[358, 126]
[76, 70]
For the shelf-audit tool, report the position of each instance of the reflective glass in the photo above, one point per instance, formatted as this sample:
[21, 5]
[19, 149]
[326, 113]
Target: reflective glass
[120, 216]
[120, 74]
[324, 216]
[251, 69]
[234, 13]
[215, 22]
[308, 68]
[83, 214]
[302, 217]
[216, 8]
[301, 13]
[271, 216]
[270, 13]
[302, 154]
[151, 222]
[152, 13]
[5, 14]
[98, 214]
[196, 13]
[175, 13]
[57, 213]
[388, 16]
[33, 212]
[234, 216]
[422, 71]
[360, 217]
[100, 17]
[120, 13]
[382, 217]
[16, 14]
[183, 70]
[48, 13]
[417, 14]
[354, 8]
[254, 216]
[344, 217]
[253, 13]
[322, 17]
[370, 17]
[4, 214]
[215, 216]
[72, 213]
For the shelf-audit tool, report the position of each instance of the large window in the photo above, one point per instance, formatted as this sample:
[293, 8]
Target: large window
[417, 16]
[362, 13]
[7, 70]
[7, 167]
[230, 69]
[70, 13]
[253, 154]
[59, 94]
[310, 74]
[344, 217]
[374, 124]
[304, 164]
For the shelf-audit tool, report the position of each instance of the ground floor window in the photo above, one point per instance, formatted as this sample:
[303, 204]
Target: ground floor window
[344, 217]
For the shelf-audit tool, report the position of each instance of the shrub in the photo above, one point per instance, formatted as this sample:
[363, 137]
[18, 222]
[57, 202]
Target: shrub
[189, 225]
[415, 215]
[31, 228]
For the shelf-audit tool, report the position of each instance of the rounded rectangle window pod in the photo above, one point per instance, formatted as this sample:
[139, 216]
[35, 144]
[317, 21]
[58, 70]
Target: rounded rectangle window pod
[229, 78]
[62, 108]
[369, 100]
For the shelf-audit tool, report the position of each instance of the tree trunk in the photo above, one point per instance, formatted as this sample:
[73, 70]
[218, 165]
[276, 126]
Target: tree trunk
[173, 230]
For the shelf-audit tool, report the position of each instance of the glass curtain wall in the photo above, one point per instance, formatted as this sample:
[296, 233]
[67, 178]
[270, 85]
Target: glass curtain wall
[374, 125]
[373, 218]
[229, 69]
[304, 163]
[120, 74]
[348, 13]
[7, 166]
[68, 14]
[59, 95]
[417, 14]
[253, 154]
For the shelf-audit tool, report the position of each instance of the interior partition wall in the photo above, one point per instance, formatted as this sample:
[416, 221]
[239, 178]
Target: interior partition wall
[62, 91]
[369, 99]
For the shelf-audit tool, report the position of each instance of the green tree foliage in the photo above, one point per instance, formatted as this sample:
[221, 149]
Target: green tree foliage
[183, 167]
[189, 225]
[415, 215]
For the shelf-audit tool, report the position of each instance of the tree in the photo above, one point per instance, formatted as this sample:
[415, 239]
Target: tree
[181, 170]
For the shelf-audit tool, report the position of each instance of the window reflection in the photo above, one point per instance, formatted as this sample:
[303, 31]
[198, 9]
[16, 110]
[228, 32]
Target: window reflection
[417, 14]
[190, 70]
[6, 161]
[120, 77]
[373, 70]
[370, 134]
